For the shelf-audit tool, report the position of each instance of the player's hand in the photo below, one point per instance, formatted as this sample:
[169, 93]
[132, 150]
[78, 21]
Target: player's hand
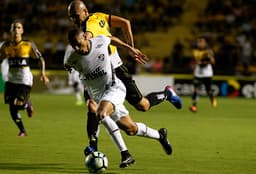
[138, 56]
[45, 79]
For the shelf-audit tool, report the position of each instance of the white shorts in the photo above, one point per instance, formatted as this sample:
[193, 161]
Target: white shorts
[116, 95]
[115, 60]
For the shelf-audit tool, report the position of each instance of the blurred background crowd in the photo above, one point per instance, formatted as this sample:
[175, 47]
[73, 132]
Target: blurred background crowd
[165, 30]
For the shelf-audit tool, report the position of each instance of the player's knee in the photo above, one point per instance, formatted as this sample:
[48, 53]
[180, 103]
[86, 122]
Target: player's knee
[101, 114]
[143, 105]
[18, 104]
[92, 106]
[131, 130]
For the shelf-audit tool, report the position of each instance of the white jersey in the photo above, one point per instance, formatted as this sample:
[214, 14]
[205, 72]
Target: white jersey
[5, 69]
[205, 71]
[95, 67]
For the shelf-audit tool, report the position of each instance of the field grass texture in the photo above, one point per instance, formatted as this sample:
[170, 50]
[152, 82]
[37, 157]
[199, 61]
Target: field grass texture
[218, 140]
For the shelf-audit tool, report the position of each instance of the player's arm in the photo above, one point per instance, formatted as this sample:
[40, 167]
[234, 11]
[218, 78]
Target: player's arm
[125, 25]
[2, 53]
[134, 52]
[209, 58]
[44, 78]
[36, 53]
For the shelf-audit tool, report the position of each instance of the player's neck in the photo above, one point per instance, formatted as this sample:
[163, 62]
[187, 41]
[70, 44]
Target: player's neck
[17, 40]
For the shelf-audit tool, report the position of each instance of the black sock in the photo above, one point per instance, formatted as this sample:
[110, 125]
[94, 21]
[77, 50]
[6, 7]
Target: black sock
[125, 154]
[194, 98]
[92, 128]
[16, 118]
[155, 98]
[20, 125]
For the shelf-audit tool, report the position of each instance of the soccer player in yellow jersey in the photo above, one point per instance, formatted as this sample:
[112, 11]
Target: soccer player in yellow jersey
[19, 80]
[95, 24]
[203, 71]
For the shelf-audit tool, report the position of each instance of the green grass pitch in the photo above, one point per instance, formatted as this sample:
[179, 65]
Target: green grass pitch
[218, 140]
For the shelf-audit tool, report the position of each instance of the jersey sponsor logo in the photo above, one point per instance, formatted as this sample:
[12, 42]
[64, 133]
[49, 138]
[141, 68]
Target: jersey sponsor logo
[102, 23]
[18, 62]
[98, 72]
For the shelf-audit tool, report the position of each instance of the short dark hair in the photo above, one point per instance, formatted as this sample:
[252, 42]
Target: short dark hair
[72, 35]
[15, 22]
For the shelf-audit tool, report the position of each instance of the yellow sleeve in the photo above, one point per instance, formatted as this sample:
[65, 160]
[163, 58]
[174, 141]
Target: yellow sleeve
[98, 24]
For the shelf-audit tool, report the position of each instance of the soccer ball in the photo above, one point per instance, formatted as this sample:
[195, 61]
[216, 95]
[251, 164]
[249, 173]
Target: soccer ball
[96, 162]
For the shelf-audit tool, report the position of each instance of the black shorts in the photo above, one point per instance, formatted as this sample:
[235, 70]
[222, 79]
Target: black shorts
[206, 81]
[16, 91]
[133, 95]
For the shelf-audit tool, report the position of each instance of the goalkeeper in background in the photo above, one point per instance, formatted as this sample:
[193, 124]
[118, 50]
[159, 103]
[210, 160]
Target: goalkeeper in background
[203, 71]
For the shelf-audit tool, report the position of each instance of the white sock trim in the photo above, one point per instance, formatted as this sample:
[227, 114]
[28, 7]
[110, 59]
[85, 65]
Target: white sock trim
[114, 132]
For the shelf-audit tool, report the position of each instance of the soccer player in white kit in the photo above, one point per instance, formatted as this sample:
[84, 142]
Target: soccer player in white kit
[203, 72]
[98, 23]
[74, 80]
[91, 59]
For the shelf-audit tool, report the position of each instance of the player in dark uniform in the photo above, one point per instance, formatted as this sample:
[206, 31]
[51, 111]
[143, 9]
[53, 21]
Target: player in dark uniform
[203, 72]
[100, 23]
[19, 81]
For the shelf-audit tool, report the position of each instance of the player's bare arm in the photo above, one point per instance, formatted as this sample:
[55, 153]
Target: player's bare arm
[44, 78]
[134, 52]
[119, 22]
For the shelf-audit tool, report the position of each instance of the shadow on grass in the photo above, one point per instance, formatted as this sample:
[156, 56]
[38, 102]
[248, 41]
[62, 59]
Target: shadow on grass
[45, 168]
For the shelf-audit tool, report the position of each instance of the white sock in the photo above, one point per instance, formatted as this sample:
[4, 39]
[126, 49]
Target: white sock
[145, 131]
[78, 96]
[114, 132]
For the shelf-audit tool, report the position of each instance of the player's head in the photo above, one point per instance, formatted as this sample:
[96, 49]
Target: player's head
[77, 12]
[16, 28]
[202, 42]
[77, 39]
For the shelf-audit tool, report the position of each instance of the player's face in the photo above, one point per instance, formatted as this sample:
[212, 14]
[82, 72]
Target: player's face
[81, 45]
[78, 15]
[201, 43]
[17, 29]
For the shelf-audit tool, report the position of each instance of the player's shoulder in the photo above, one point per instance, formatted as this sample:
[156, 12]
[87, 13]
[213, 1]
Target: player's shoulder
[99, 14]
[28, 42]
[5, 43]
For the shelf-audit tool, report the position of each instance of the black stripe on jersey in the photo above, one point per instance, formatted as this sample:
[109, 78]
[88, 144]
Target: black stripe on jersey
[109, 50]
[109, 21]
[113, 75]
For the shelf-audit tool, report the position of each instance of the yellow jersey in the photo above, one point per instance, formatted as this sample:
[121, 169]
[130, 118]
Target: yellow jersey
[17, 56]
[202, 54]
[99, 24]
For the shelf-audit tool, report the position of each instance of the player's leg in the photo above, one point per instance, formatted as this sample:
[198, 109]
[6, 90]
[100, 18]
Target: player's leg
[208, 86]
[135, 98]
[29, 108]
[196, 83]
[77, 92]
[140, 129]
[16, 117]
[16, 96]
[104, 111]
[92, 125]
